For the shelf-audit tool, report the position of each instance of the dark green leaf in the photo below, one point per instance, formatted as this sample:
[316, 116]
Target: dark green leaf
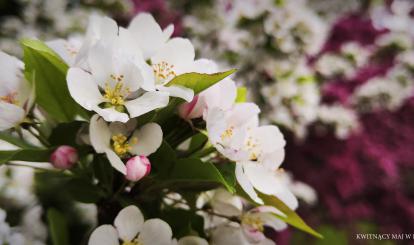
[29, 155]
[103, 171]
[57, 227]
[65, 133]
[47, 72]
[184, 222]
[198, 81]
[193, 171]
[82, 190]
[163, 159]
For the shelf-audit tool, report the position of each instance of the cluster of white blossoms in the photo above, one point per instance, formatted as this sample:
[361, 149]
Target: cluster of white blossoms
[131, 229]
[117, 79]
[16, 94]
[47, 19]
[26, 234]
[343, 64]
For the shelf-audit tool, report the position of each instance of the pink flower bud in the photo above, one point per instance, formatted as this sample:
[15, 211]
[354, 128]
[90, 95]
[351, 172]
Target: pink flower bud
[137, 168]
[64, 157]
[191, 110]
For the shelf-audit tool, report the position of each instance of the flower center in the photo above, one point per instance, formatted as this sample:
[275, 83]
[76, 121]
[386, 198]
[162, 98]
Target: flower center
[9, 98]
[134, 242]
[73, 51]
[163, 72]
[253, 148]
[254, 222]
[121, 145]
[228, 133]
[116, 95]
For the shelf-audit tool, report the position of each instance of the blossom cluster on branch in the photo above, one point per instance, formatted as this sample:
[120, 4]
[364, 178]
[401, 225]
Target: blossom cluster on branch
[133, 123]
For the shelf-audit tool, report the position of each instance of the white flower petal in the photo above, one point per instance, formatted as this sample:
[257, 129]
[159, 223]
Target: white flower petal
[83, 88]
[270, 183]
[149, 139]
[146, 103]
[10, 115]
[272, 221]
[115, 161]
[129, 222]
[269, 138]
[178, 52]
[100, 61]
[182, 92]
[11, 74]
[228, 235]
[111, 115]
[104, 235]
[192, 240]
[245, 183]
[148, 34]
[99, 133]
[155, 231]
[273, 160]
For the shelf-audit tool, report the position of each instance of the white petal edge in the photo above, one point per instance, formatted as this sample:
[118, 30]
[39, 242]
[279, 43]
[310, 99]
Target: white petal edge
[155, 231]
[129, 222]
[146, 103]
[115, 161]
[83, 88]
[99, 134]
[104, 235]
[149, 139]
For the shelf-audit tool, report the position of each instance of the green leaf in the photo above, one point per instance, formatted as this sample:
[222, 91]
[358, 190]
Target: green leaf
[198, 81]
[193, 171]
[241, 94]
[82, 190]
[47, 72]
[103, 171]
[163, 160]
[184, 222]
[15, 141]
[58, 227]
[30, 155]
[65, 133]
[291, 217]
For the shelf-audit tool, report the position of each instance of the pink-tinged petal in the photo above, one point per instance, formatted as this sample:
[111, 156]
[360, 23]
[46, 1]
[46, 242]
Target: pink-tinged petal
[64, 157]
[188, 111]
[137, 167]
[252, 234]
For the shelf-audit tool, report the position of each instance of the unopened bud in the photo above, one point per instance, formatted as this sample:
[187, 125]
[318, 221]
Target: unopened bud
[64, 157]
[137, 168]
[191, 110]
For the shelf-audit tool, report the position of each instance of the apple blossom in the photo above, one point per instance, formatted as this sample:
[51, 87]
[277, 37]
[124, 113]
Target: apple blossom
[117, 86]
[137, 167]
[64, 157]
[15, 92]
[131, 228]
[119, 141]
[168, 57]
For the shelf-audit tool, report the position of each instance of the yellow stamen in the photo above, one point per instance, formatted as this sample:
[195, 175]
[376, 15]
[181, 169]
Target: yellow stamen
[254, 222]
[163, 72]
[9, 98]
[116, 95]
[134, 242]
[227, 133]
[121, 145]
